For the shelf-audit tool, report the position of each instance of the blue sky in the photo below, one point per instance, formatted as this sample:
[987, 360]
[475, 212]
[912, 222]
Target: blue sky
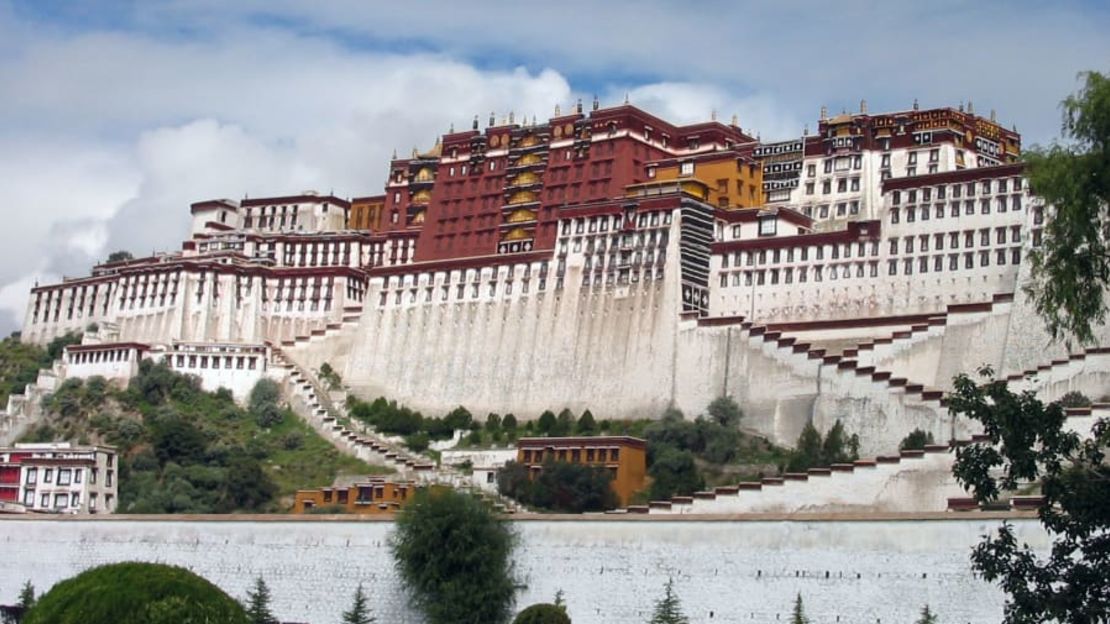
[114, 116]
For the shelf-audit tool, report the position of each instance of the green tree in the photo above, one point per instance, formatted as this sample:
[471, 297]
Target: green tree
[725, 411]
[493, 423]
[508, 423]
[586, 424]
[120, 256]
[258, 604]
[542, 613]
[459, 418]
[359, 612]
[836, 449]
[27, 596]
[1026, 443]
[564, 423]
[927, 616]
[808, 452]
[674, 472]
[915, 440]
[455, 556]
[546, 422]
[668, 609]
[1071, 270]
[799, 614]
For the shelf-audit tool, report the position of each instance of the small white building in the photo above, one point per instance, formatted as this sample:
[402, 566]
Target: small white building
[57, 477]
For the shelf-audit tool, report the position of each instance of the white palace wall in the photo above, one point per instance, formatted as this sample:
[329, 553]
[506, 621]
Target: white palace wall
[610, 570]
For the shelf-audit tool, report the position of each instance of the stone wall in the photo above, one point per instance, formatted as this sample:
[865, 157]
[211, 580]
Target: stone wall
[610, 569]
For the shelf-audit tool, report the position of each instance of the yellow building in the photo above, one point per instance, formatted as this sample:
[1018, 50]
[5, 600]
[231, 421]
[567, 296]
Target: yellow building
[367, 213]
[624, 457]
[734, 178]
[374, 496]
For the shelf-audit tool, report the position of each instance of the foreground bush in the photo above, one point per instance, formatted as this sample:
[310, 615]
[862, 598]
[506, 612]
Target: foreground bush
[455, 556]
[136, 593]
[542, 613]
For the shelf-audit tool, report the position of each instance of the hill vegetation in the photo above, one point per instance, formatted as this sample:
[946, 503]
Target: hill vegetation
[184, 450]
[20, 362]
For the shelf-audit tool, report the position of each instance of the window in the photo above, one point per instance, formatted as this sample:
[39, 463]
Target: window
[32, 476]
[767, 226]
[938, 264]
[809, 188]
[828, 165]
[811, 171]
[892, 267]
[65, 476]
[855, 184]
[48, 475]
[842, 185]
[686, 168]
[894, 216]
[896, 198]
[826, 187]
[1015, 203]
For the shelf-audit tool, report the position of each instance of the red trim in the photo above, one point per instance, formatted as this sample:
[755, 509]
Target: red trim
[108, 346]
[580, 441]
[295, 199]
[959, 175]
[461, 263]
[853, 233]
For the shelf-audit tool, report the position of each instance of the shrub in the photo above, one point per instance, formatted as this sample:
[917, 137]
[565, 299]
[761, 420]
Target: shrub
[674, 473]
[264, 394]
[330, 377]
[455, 556]
[136, 593]
[915, 440]
[725, 411]
[1075, 399]
[542, 613]
[417, 442]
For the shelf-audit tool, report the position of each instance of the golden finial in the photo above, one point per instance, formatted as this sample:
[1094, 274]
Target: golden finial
[492, 121]
[474, 126]
[597, 103]
[557, 111]
[916, 106]
[863, 107]
[579, 106]
[626, 97]
[970, 108]
[824, 113]
[395, 153]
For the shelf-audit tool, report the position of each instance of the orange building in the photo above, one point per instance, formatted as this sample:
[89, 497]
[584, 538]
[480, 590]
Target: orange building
[366, 213]
[734, 178]
[624, 457]
[374, 496]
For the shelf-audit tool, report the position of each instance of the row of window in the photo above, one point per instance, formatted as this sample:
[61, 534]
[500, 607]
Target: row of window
[1014, 202]
[573, 455]
[1001, 234]
[215, 362]
[66, 476]
[96, 357]
[986, 187]
[843, 185]
[847, 270]
[803, 254]
[583, 225]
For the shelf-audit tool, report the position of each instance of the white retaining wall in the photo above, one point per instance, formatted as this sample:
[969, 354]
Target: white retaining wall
[610, 570]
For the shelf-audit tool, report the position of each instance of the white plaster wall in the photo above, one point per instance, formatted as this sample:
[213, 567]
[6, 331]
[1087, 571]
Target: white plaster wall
[610, 570]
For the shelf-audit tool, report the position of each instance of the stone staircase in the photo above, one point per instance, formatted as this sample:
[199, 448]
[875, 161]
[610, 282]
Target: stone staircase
[330, 419]
[350, 318]
[910, 481]
[312, 403]
[24, 410]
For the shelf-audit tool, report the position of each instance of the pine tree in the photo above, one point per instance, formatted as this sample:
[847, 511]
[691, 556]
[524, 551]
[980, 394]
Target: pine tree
[927, 616]
[360, 609]
[258, 604]
[668, 610]
[799, 616]
[27, 596]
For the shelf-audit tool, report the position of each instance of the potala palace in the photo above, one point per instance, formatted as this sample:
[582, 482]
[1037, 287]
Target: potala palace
[608, 259]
